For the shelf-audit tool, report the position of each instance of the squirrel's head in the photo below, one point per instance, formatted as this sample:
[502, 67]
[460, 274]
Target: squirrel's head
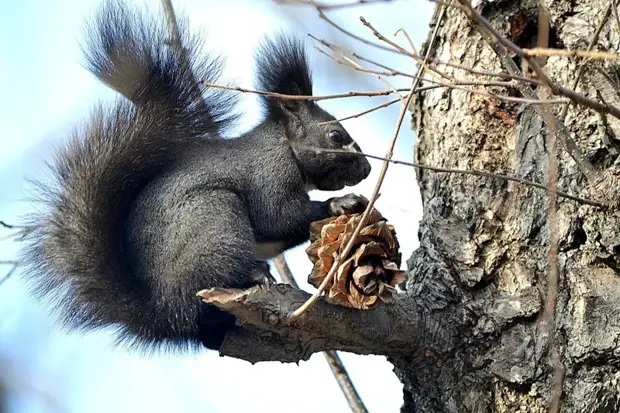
[327, 155]
[325, 151]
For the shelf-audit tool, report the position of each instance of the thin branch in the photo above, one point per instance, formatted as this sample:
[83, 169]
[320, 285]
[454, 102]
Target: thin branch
[548, 314]
[520, 78]
[342, 377]
[10, 226]
[389, 70]
[14, 264]
[514, 99]
[530, 99]
[593, 41]
[499, 44]
[357, 115]
[346, 61]
[419, 89]
[304, 307]
[452, 85]
[616, 17]
[173, 26]
[331, 7]
[386, 40]
[354, 36]
[596, 55]
[404, 32]
[384, 93]
[304, 97]
[556, 89]
[420, 59]
[335, 364]
[174, 42]
[474, 172]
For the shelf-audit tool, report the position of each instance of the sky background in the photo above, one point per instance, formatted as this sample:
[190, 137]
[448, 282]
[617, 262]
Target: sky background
[47, 92]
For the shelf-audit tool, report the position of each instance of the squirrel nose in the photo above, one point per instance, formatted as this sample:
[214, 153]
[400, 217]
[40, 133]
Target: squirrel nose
[367, 168]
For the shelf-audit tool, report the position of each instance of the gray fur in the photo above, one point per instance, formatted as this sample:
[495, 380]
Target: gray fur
[151, 204]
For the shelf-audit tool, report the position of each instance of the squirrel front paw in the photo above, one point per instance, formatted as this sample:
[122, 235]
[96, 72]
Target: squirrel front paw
[348, 204]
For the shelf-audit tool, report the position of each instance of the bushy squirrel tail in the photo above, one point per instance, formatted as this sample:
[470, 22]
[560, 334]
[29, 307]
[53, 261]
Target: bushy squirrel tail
[73, 251]
[137, 55]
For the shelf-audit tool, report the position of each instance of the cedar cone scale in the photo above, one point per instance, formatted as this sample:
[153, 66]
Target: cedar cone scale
[367, 277]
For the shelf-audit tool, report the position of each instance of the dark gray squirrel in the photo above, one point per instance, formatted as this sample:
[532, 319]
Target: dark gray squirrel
[151, 203]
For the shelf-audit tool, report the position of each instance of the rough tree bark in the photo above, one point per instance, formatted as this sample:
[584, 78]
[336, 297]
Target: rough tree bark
[484, 242]
[466, 336]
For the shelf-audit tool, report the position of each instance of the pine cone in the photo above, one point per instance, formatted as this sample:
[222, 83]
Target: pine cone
[368, 276]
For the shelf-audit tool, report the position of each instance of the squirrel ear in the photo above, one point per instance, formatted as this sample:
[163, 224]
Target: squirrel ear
[287, 107]
[290, 114]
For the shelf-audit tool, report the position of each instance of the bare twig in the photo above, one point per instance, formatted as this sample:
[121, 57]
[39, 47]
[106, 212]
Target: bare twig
[499, 44]
[593, 41]
[452, 85]
[417, 90]
[474, 172]
[330, 7]
[173, 26]
[175, 43]
[389, 70]
[381, 37]
[304, 97]
[487, 73]
[13, 264]
[616, 17]
[354, 36]
[387, 92]
[404, 33]
[543, 30]
[595, 55]
[10, 226]
[344, 60]
[424, 63]
[529, 54]
[429, 59]
[357, 115]
[342, 377]
[295, 314]
[548, 316]
[340, 373]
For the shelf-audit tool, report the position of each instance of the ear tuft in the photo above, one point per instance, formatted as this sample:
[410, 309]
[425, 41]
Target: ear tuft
[282, 67]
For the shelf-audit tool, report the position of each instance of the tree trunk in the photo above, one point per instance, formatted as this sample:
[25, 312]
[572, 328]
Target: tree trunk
[484, 242]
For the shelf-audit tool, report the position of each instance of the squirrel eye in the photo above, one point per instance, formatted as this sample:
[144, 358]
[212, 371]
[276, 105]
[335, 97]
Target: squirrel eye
[335, 135]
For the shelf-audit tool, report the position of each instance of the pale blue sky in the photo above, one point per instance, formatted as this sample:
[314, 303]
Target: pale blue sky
[46, 93]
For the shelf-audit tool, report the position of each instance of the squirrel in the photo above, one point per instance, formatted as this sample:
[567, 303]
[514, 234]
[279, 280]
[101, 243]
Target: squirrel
[150, 203]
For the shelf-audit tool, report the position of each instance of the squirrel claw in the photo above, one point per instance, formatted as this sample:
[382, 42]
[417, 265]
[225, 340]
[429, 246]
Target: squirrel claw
[348, 204]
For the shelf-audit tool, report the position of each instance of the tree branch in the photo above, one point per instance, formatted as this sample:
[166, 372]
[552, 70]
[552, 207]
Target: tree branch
[333, 360]
[266, 334]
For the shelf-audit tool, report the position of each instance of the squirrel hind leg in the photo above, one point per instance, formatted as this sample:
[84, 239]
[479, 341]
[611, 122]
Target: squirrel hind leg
[217, 324]
[260, 275]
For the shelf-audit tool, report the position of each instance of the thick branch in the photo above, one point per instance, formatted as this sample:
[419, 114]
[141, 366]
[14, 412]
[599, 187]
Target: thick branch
[265, 334]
